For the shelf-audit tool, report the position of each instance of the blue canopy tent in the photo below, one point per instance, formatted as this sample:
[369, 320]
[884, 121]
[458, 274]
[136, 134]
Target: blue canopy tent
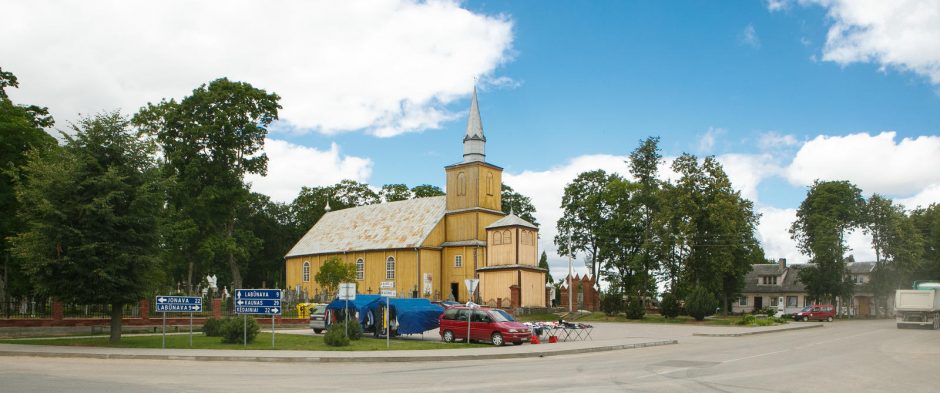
[358, 305]
[413, 315]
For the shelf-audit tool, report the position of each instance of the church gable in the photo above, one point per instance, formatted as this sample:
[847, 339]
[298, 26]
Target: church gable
[393, 225]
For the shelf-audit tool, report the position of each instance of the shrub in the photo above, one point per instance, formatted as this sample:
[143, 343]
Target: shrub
[700, 303]
[212, 327]
[635, 309]
[235, 330]
[355, 330]
[669, 307]
[612, 303]
[336, 335]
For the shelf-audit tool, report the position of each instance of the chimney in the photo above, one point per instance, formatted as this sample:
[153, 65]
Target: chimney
[782, 262]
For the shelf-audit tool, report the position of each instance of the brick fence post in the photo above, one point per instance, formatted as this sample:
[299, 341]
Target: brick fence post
[144, 308]
[514, 296]
[57, 311]
[217, 308]
[548, 297]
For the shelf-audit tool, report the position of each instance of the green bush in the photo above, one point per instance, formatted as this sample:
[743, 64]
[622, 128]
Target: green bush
[669, 307]
[212, 328]
[235, 330]
[355, 330]
[700, 303]
[612, 303]
[336, 335]
[635, 309]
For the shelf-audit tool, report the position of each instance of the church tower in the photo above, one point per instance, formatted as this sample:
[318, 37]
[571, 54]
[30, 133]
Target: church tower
[474, 189]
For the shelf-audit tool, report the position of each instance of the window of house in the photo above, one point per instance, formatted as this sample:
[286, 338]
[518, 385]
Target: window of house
[742, 301]
[306, 271]
[773, 301]
[458, 260]
[769, 280]
[360, 269]
[806, 301]
[390, 268]
[792, 301]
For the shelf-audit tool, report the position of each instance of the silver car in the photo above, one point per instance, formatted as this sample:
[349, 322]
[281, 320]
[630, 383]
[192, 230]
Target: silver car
[318, 318]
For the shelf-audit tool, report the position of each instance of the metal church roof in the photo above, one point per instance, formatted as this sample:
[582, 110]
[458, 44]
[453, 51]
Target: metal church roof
[392, 225]
[511, 220]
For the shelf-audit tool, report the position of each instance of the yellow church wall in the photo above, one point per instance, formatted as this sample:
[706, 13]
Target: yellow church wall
[463, 186]
[500, 251]
[528, 248]
[452, 274]
[484, 219]
[431, 263]
[462, 226]
[406, 273]
[533, 289]
[436, 237]
[489, 188]
[495, 285]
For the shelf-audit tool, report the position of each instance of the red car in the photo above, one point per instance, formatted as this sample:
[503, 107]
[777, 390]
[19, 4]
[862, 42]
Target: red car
[819, 312]
[486, 324]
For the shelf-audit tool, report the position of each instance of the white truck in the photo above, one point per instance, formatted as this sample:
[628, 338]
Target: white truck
[919, 306]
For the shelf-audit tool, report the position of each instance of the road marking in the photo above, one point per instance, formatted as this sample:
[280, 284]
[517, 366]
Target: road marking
[755, 356]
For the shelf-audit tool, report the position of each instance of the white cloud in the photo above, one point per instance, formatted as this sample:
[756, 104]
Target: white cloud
[929, 195]
[773, 140]
[749, 37]
[902, 34]
[777, 5]
[875, 163]
[386, 66]
[706, 142]
[291, 167]
[773, 233]
[746, 171]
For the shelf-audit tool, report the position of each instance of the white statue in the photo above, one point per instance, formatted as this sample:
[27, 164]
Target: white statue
[213, 282]
[225, 293]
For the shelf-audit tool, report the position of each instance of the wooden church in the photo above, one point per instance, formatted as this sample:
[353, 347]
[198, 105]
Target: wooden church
[428, 246]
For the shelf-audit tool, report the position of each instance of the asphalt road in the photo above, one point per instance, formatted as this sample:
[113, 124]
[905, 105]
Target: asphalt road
[856, 356]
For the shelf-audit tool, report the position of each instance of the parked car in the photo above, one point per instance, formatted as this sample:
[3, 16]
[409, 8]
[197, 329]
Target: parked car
[446, 303]
[486, 324]
[318, 318]
[817, 312]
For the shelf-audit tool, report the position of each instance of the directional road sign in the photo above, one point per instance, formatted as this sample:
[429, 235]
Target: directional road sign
[347, 291]
[258, 301]
[389, 292]
[387, 285]
[179, 304]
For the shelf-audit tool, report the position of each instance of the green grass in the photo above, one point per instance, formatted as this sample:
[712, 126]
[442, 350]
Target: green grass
[648, 318]
[263, 341]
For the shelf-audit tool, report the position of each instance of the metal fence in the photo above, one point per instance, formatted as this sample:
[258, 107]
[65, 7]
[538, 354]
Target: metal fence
[26, 308]
[97, 311]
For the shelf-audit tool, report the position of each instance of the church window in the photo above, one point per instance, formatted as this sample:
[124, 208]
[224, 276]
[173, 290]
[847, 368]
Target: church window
[461, 184]
[306, 271]
[390, 268]
[458, 260]
[360, 269]
[497, 238]
[525, 237]
[507, 237]
[489, 184]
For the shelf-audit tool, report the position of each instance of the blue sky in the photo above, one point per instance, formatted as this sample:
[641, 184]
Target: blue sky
[782, 92]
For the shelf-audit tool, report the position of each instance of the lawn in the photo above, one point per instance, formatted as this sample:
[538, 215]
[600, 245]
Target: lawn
[648, 318]
[263, 341]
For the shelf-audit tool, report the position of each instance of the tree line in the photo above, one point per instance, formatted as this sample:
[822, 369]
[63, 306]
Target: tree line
[128, 205]
[694, 234]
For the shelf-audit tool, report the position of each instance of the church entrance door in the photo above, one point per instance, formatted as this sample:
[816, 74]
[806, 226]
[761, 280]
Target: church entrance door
[455, 291]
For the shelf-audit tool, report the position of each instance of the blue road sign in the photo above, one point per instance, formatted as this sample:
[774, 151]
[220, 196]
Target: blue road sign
[258, 301]
[178, 304]
[257, 294]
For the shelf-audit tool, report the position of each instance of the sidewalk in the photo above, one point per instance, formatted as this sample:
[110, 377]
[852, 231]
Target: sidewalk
[506, 352]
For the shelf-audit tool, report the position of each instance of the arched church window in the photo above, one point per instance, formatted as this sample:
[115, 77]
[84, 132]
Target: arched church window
[507, 237]
[489, 184]
[360, 269]
[497, 238]
[306, 271]
[461, 184]
[390, 268]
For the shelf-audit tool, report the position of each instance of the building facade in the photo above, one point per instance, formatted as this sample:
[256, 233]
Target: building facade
[428, 246]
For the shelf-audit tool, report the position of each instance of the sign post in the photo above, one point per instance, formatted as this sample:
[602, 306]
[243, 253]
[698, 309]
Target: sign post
[471, 287]
[257, 302]
[188, 304]
[388, 291]
[347, 292]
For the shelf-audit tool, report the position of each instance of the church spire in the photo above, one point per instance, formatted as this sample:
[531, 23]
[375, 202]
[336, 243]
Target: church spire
[474, 141]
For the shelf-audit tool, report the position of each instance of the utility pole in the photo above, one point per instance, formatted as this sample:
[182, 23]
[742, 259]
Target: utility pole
[570, 278]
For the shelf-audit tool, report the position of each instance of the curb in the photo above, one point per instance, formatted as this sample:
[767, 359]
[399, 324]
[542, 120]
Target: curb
[338, 359]
[756, 332]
